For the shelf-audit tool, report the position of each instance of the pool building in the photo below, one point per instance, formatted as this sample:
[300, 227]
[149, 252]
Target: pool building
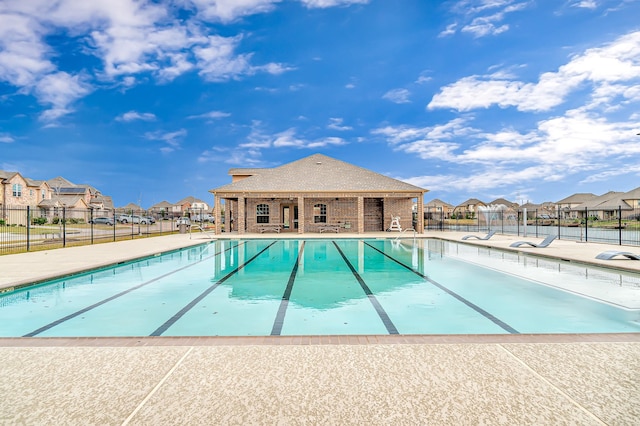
[316, 194]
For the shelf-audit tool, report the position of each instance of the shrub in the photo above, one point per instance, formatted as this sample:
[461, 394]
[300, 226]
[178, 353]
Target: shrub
[38, 220]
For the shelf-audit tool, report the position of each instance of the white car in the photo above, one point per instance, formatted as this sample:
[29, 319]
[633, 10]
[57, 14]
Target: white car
[183, 221]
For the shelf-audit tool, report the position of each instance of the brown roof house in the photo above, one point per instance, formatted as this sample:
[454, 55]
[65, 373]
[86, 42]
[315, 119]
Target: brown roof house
[315, 194]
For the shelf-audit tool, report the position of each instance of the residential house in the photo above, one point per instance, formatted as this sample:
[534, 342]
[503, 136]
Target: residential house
[161, 209]
[312, 193]
[468, 209]
[78, 197]
[191, 206]
[632, 198]
[567, 205]
[604, 207]
[437, 210]
[17, 193]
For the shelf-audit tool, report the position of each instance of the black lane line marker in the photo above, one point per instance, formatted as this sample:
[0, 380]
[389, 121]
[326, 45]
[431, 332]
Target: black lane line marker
[379, 309]
[476, 308]
[115, 296]
[204, 294]
[284, 303]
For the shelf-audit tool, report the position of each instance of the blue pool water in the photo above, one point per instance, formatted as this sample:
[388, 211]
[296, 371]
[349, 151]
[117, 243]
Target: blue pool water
[321, 287]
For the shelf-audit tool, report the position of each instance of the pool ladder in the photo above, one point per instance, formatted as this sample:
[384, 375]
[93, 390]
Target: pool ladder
[207, 232]
[405, 230]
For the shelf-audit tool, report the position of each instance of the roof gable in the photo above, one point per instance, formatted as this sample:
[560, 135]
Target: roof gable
[318, 173]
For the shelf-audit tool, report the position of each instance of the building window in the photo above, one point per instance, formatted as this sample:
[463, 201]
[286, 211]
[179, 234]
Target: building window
[262, 213]
[320, 213]
[17, 190]
[44, 194]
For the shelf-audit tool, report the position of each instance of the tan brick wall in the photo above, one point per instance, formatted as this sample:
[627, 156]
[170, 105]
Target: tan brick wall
[398, 207]
[341, 209]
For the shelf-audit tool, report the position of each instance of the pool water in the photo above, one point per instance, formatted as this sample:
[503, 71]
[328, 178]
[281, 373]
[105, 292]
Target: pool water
[328, 287]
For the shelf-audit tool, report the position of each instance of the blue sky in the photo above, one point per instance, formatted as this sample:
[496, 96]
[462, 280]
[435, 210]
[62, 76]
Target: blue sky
[530, 100]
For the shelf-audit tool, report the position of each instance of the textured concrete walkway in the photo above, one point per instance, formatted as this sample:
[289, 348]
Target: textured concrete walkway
[439, 380]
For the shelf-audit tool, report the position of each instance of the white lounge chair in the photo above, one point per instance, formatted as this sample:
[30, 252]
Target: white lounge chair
[486, 237]
[543, 244]
[608, 255]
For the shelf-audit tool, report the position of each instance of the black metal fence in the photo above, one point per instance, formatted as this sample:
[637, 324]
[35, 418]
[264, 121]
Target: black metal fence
[28, 229]
[617, 226]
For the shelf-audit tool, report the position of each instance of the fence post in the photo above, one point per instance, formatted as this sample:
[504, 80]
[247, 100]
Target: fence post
[91, 222]
[28, 227]
[586, 225]
[114, 224]
[620, 225]
[64, 226]
[536, 213]
[558, 219]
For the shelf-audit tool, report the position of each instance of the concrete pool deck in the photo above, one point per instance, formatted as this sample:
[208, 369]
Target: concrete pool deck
[457, 379]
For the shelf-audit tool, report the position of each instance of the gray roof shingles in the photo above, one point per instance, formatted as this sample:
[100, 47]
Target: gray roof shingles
[317, 173]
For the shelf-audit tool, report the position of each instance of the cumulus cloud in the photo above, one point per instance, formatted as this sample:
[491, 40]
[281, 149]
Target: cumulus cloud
[257, 139]
[336, 124]
[575, 143]
[59, 90]
[214, 115]
[5, 138]
[172, 139]
[134, 115]
[331, 3]
[230, 10]
[602, 67]
[398, 96]
[482, 18]
[129, 37]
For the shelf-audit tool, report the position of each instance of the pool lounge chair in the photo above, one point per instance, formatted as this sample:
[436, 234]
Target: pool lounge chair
[543, 244]
[486, 237]
[608, 255]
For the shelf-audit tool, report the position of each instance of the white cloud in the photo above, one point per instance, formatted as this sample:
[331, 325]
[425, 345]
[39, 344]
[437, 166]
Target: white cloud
[60, 90]
[130, 37]
[483, 17]
[575, 143]
[586, 4]
[173, 139]
[331, 3]
[616, 62]
[134, 115]
[211, 115]
[230, 10]
[336, 124]
[257, 140]
[398, 96]
[5, 138]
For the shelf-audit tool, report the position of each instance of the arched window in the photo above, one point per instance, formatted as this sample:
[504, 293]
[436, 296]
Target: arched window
[320, 213]
[262, 213]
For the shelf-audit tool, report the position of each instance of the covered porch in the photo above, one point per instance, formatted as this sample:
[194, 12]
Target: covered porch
[316, 212]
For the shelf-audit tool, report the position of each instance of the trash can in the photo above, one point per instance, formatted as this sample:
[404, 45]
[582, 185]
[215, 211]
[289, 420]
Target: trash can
[182, 228]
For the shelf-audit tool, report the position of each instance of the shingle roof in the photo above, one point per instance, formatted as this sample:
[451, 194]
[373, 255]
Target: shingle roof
[634, 194]
[577, 198]
[470, 201]
[436, 202]
[319, 173]
[609, 201]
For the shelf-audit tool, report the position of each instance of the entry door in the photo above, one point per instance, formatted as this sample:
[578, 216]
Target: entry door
[290, 217]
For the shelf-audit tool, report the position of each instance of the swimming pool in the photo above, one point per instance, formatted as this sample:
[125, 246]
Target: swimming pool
[328, 287]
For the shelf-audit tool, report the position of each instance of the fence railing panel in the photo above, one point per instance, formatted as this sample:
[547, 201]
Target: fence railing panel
[27, 229]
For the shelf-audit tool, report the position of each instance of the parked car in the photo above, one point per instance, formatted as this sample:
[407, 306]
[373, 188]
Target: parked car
[204, 218]
[102, 221]
[149, 219]
[183, 221]
[127, 218]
